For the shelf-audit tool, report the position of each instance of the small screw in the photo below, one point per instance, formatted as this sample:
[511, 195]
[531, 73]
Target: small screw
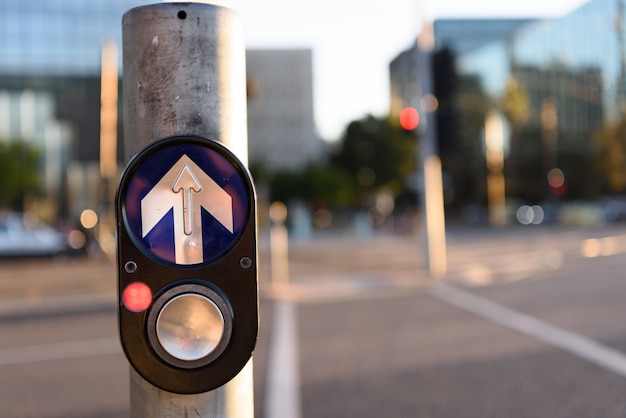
[245, 262]
[130, 267]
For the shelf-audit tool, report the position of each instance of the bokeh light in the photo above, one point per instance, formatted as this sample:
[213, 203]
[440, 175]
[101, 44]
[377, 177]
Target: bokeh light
[88, 219]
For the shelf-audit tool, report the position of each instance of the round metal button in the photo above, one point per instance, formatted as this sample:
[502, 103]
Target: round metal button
[189, 327]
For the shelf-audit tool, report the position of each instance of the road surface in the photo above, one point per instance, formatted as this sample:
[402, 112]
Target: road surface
[528, 322]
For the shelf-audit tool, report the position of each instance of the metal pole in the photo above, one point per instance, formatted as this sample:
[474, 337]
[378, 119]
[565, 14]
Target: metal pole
[184, 74]
[431, 164]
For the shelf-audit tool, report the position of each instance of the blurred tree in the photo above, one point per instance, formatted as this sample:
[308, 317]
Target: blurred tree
[327, 185]
[376, 153]
[330, 185]
[515, 106]
[20, 164]
[373, 153]
[610, 141]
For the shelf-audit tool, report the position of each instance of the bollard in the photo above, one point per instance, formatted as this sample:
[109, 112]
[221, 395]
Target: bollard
[279, 245]
[184, 75]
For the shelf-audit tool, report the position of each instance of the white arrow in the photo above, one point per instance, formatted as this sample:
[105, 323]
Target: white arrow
[187, 183]
[187, 189]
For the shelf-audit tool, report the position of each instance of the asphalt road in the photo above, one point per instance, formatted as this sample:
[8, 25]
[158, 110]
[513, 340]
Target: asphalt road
[528, 322]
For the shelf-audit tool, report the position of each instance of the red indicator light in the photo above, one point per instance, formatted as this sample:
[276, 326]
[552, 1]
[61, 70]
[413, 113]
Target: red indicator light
[137, 297]
[409, 118]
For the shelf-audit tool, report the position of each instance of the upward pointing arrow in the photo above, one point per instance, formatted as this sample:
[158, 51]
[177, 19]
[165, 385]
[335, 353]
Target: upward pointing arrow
[187, 183]
[186, 188]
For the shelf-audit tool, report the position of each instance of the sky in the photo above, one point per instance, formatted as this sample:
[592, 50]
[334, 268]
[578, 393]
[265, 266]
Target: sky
[353, 42]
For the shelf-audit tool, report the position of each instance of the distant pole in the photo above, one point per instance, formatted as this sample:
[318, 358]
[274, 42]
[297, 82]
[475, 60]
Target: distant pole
[494, 140]
[433, 205]
[279, 244]
[184, 74]
[108, 144]
[108, 111]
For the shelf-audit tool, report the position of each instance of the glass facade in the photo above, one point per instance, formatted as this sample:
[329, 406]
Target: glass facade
[463, 35]
[50, 61]
[561, 88]
[58, 37]
[55, 47]
[50, 65]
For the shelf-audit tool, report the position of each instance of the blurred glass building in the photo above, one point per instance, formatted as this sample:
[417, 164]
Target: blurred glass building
[50, 95]
[560, 88]
[461, 36]
[557, 83]
[50, 91]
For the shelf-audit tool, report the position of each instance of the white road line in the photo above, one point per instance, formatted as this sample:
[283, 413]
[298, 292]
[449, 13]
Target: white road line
[59, 351]
[283, 377]
[578, 345]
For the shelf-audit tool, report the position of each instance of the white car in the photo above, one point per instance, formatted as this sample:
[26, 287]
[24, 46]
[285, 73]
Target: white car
[20, 236]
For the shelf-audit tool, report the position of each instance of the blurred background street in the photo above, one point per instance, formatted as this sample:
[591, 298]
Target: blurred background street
[372, 334]
[441, 206]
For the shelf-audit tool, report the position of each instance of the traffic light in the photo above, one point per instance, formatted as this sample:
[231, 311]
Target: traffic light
[409, 118]
[187, 264]
[445, 85]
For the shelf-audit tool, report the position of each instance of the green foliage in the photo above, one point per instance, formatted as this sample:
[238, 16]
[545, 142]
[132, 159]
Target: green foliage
[330, 185]
[372, 154]
[20, 163]
[610, 142]
[375, 154]
[516, 103]
[323, 184]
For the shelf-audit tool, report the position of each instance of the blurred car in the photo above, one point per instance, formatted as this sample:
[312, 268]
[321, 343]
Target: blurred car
[21, 236]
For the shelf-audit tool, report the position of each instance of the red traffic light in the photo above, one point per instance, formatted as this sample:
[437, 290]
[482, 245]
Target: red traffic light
[409, 118]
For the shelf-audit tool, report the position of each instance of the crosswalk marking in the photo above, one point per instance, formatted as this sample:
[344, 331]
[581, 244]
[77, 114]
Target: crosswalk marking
[576, 344]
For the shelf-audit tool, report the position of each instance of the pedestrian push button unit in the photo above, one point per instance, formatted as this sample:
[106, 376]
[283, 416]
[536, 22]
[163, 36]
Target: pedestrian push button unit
[187, 264]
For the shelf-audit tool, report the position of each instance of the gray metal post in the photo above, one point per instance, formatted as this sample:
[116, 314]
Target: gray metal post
[432, 201]
[184, 74]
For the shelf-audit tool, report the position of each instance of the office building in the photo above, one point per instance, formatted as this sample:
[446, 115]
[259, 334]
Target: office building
[560, 86]
[281, 127]
[460, 36]
[50, 97]
[558, 83]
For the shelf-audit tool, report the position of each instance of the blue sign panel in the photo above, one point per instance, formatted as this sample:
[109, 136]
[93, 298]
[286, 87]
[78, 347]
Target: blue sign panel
[186, 201]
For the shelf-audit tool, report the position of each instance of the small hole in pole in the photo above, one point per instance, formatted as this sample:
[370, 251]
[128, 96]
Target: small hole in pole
[182, 14]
